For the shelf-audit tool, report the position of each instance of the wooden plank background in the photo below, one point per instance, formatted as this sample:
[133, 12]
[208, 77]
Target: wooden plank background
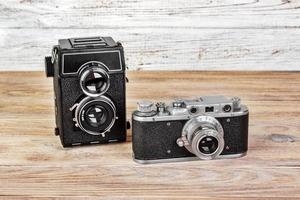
[34, 164]
[178, 34]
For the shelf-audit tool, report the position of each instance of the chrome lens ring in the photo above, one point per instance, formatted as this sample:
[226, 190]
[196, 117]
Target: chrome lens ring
[197, 129]
[94, 79]
[82, 110]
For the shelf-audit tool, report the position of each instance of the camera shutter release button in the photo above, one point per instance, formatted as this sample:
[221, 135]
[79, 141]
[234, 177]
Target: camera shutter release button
[145, 106]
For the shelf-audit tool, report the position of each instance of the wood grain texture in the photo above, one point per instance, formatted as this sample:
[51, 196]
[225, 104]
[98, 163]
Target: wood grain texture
[183, 35]
[33, 164]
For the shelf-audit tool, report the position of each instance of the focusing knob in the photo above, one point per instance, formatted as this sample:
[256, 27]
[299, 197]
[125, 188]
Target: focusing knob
[145, 106]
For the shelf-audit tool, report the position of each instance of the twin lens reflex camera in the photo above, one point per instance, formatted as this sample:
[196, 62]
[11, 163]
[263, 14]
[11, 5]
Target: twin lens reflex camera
[89, 86]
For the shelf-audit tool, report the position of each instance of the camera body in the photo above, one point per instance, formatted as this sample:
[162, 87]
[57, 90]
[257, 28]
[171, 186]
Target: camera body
[208, 127]
[89, 87]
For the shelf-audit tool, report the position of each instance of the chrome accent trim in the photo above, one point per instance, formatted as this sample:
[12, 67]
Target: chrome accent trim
[90, 52]
[170, 160]
[243, 111]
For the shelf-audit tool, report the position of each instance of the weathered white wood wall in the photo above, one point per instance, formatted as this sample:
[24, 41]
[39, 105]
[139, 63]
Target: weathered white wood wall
[158, 34]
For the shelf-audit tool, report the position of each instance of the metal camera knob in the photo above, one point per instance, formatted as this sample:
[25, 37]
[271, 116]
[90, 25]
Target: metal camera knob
[178, 103]
[161, 107]
[236, 102]
[145, 106]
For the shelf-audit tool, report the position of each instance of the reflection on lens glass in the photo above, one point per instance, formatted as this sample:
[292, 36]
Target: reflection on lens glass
[208, 145]
[94, 82]
[96, 115]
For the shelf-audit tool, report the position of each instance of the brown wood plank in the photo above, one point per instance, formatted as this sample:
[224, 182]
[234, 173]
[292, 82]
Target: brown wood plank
[33, 163]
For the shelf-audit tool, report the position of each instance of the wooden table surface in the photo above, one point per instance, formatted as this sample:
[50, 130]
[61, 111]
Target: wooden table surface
[34, 164]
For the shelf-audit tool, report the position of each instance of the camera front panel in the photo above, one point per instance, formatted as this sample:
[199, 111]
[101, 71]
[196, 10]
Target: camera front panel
[235, 134]
[157, 140]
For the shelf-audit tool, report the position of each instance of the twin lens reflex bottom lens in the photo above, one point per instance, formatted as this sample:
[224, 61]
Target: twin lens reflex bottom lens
[208, 145]
[96, 116]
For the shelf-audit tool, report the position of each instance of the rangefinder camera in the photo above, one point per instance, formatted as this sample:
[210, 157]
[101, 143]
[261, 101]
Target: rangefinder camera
[208, 127]
[89, 87]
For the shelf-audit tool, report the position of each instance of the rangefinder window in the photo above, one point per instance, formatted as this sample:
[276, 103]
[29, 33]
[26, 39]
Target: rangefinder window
[209, 109]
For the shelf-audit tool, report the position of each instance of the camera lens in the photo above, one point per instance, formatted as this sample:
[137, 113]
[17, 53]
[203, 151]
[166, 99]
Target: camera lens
[96, 115]
[208, 145]
[203, 136]
[94, 79]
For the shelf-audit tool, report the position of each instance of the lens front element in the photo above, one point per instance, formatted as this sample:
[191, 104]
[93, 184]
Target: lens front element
[96, 115]
[208, 145]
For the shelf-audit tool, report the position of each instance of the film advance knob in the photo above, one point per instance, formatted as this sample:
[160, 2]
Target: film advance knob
[145, 106]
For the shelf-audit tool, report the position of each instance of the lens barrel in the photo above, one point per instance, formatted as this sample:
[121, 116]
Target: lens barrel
[204, 137]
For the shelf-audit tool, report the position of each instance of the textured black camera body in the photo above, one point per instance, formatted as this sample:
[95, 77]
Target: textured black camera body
[89, 86]
[184, 131]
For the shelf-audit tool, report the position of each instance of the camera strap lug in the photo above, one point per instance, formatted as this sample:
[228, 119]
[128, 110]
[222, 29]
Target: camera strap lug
[54, 54]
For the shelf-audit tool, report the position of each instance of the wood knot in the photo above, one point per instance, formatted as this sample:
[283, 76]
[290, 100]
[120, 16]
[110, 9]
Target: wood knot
[282, 138]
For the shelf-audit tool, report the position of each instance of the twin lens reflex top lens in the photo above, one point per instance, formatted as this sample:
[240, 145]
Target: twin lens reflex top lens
[94, 80]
